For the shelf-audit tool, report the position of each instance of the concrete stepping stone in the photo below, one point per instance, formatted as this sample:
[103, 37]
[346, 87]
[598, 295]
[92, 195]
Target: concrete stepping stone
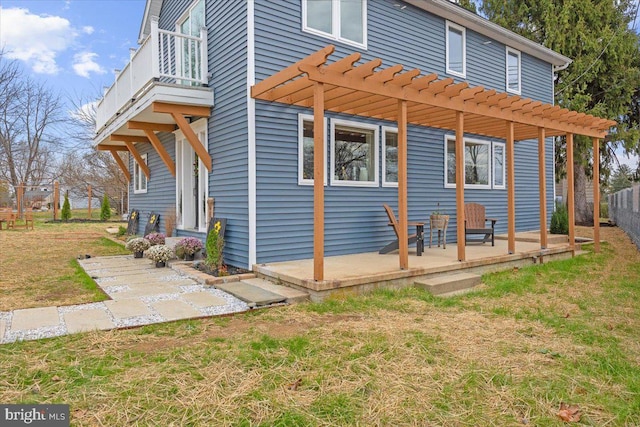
[250, 294]
[125, 308]
[292, 295]
[34, 318]
[88, 320]
[143, 291]
[3, 328]
[203, 299]
[175, 310]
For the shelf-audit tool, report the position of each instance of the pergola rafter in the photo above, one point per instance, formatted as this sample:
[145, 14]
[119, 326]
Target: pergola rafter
[411, 99]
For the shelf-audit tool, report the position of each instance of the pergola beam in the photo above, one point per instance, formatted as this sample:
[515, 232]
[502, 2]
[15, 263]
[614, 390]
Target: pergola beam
[120, 163]
[178, 112]
[138, 158]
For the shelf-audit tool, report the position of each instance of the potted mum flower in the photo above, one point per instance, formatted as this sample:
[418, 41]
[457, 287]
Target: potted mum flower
[155, 238]
[160, 254]
[188, 247]
[137, 245]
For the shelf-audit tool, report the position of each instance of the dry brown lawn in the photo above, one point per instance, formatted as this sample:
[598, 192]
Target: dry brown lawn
[37, 267]
[509, 354]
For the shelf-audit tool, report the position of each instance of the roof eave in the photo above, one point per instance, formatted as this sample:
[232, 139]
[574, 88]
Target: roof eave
[151, 8]
[455, 13]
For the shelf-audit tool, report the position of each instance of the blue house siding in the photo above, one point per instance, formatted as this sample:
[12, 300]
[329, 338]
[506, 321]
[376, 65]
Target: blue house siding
[227, 128]
[160, 197]
[354, 218]
[228, 131]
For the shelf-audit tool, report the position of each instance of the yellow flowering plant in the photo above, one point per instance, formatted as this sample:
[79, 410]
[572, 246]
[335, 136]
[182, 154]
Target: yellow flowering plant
[214, 246]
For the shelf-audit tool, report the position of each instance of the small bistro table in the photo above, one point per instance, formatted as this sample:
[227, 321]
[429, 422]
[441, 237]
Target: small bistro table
[439, 223]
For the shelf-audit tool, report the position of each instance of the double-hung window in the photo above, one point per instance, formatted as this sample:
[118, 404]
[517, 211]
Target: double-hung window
[513, 71]
[139, 178]
[477, 163]
[306, 150]
[456, 56]
[389, 157]
[354, 154]
[342, 20]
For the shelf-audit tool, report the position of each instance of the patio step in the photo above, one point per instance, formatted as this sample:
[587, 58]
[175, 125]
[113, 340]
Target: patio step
[260, 292]
[449, 284]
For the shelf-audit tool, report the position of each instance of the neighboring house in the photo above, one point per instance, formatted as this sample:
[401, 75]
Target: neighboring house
[183, 108]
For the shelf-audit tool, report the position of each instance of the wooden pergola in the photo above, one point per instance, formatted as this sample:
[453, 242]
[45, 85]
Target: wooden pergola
[424, 100]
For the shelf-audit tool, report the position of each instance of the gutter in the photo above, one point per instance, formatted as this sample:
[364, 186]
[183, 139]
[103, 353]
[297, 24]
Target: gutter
[458, 14]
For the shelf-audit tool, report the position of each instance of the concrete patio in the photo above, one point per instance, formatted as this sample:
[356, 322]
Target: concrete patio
[357, 273]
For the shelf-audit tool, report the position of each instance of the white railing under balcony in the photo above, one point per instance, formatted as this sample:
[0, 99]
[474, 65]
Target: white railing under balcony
[164, 56]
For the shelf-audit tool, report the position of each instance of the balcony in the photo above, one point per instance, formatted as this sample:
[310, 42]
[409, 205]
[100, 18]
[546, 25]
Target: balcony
[168, 67]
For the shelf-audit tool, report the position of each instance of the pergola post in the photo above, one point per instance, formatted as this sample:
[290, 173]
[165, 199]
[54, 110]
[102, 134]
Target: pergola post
[542, 183]
[460, 184]
[570, 193]
[511, 190]
[402, 185]
[318, 181]
[596, 194]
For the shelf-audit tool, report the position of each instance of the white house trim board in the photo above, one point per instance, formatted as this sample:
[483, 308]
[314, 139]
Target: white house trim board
[335, 24]
[385, 130]
[375, 161]
[301, 119]
[183, 146]
[451, 26]
[251, 134]
[516, 53]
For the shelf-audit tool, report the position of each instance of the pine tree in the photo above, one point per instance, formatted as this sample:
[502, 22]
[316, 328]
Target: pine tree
[602, 80]
[105, 210]
[66, 208]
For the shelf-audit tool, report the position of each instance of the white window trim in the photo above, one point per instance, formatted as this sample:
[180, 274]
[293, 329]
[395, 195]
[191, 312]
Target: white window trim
[138, 174]
[335, 24]
[301, 119]
[518, 54]
[464, 49]
[446, 164]
[504, 165]
[376, 139]
[197, 127]
[386, 129]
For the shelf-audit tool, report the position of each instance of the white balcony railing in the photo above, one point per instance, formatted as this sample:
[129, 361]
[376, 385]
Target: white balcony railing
[164, 56]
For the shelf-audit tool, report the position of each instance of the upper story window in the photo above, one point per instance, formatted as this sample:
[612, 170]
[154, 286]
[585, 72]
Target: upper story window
[139, 178]
[354, 154]
[389, 157]
[343, 20]
[192, 20]
[513, 71]
[306, 150]
[456, 55]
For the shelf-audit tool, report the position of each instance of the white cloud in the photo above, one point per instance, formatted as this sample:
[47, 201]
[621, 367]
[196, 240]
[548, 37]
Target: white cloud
[88, 29]
[35, 39]
[85, 113]
[84, 63]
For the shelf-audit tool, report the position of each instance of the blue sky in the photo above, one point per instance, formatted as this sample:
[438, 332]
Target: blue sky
[72, 45]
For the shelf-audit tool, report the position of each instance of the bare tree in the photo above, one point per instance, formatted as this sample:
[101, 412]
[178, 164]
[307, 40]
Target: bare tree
[29, 113]
[84, 165]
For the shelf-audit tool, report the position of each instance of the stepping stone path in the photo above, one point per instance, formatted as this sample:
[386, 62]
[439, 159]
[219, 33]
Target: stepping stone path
[141, 294]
